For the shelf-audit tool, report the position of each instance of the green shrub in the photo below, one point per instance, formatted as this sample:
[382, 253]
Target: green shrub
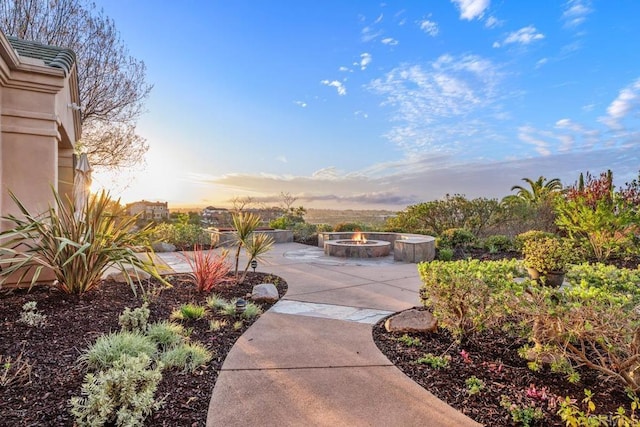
[182, 235]
[323, 228]
[166, 334]
[349, 226]
[187, 356]
[134, 320]
[497, 243]
[445, 254]
[549, 254]
[469, 296]
[455, 237]
[109, 348]
[521, 238]
[303, 231]
[606, 280]
[280, 223]
[30, 315]
[122, 395]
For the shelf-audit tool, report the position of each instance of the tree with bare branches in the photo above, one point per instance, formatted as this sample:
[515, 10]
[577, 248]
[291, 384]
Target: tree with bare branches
[112, 83]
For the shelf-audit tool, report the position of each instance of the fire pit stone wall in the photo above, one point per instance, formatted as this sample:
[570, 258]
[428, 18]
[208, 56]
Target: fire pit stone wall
[406, 247]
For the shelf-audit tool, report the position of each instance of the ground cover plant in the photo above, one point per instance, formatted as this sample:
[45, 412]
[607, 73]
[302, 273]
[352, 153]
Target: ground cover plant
[43, 365]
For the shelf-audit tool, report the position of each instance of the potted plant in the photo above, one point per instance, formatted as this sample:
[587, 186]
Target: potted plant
[547, 257]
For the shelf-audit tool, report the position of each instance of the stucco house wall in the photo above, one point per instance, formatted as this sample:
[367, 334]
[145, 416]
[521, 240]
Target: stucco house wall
[39, 123]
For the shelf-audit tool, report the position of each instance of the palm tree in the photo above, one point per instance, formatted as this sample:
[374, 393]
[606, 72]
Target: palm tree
[540, 190]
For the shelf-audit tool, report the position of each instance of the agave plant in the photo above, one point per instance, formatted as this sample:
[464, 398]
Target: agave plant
[76, 248]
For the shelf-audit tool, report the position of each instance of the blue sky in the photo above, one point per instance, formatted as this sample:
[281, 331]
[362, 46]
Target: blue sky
[361, 104]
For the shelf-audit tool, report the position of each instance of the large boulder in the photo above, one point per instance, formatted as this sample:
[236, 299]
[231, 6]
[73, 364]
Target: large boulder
[411, 321]
[265, 292]
[163, 247]
[132, 273]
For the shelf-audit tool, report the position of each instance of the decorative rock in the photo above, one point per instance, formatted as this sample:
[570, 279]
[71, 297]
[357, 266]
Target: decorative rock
[411, 321]
[134, 274]
[163, 247]
[265, 292]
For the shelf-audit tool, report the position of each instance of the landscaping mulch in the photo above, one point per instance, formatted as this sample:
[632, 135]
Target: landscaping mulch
[493, 358]
[73, 323]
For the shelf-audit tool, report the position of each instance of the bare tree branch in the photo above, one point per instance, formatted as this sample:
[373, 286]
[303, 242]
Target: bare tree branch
[111, 82]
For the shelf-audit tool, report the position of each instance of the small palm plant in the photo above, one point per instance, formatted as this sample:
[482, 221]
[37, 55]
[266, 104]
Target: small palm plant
[76, 248]
[245, 224]
[258, 245]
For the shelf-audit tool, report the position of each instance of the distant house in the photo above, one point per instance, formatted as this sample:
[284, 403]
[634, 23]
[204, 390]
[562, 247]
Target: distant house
[40, 123]
[152, 211]
[212, 216]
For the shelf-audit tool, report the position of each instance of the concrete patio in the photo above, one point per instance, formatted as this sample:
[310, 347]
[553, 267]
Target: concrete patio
[311, 360]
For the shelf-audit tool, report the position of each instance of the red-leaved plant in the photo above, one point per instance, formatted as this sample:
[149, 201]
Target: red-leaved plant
[209, 269]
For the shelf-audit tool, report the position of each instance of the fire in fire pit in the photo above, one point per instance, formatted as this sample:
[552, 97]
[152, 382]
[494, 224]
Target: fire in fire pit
[358, 247]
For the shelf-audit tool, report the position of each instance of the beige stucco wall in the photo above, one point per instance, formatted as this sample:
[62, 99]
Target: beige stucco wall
[38, 130]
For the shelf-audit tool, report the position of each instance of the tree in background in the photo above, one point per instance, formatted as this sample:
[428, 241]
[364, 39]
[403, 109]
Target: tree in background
[111, 82]
[532, 208]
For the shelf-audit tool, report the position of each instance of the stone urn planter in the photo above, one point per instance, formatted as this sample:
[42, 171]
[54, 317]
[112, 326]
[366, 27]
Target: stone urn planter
[550, 278]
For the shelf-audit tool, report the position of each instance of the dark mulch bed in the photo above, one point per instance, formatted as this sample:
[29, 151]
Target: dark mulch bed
[493, 358]
[73, 323]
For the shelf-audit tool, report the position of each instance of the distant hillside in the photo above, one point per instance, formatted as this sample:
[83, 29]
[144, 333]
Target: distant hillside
[333, 216]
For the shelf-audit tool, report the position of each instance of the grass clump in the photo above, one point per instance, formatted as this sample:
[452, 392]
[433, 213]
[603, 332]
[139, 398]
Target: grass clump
[166, 334]
[189, 312]
[188, 357]
[109, 348]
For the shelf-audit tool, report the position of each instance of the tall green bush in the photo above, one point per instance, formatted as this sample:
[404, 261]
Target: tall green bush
[469, 296]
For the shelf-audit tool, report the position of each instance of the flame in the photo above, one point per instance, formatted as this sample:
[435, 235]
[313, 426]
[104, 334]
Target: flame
[359, 238]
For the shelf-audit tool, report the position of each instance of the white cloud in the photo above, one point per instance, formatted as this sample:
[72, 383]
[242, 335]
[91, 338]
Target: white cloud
[438, 104]
[281, 159]
[301, 104]
[345, 69]
[365, 60]
[541, 62]
[575, 12]
[627, 101]
[337, 84]
[524, 36]
[429, 27]
[369, 34]
[493, 22]
[527, 134]
[471, 9]
[361, 114]
[389, 41]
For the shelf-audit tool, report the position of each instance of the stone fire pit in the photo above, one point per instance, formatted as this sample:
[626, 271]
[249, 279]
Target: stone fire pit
[357, 248]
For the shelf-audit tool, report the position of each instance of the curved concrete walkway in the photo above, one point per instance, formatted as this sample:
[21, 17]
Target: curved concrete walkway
[311, 360]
